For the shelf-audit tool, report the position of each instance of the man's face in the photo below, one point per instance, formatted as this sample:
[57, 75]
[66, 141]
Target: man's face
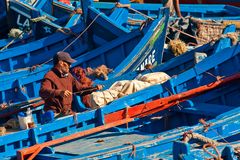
[65, 66]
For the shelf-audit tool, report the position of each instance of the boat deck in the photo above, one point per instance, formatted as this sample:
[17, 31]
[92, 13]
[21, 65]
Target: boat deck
[101, 142]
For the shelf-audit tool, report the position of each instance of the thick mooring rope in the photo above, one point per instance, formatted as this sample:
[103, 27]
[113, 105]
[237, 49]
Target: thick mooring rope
[208, 145]
[38, 19]
[190, 135]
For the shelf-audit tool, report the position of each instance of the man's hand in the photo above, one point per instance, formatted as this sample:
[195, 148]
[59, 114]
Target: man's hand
[65, 93]
[99, 87]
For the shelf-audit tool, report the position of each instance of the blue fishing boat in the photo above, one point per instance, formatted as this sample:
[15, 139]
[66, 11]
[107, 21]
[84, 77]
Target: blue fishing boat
[26, 22]
[154, 134]
[43, 18]
[214, 12]
[31, 53]
[219, 63]
[200, 24]
[140, 46]
[59, 22]
[158, 136]
[172, 64]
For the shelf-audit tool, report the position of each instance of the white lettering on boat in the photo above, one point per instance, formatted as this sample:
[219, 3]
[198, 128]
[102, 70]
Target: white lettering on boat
[150, 59]
[26, 23]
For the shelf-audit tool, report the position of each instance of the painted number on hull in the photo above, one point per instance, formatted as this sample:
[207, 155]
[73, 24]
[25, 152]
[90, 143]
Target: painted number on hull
[22, 23]
[150, 59]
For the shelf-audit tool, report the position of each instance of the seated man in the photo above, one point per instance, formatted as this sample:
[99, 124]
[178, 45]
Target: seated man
[58, 86]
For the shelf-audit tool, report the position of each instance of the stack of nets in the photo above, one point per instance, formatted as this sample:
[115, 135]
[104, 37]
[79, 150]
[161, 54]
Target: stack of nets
[195, 31]
[207, 30]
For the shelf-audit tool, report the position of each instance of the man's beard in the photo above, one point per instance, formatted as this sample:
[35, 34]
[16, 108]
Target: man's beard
[64, 74]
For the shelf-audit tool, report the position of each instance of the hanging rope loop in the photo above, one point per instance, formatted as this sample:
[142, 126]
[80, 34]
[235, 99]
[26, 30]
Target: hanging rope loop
[209, 145]
[82, 32]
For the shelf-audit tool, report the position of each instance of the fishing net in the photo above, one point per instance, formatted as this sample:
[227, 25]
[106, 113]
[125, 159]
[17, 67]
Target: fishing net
[200, 31]
[207, 30]
[177, 46]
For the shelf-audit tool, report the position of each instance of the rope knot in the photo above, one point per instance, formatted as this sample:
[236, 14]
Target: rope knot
[206, 125]
[186, 135]
[33, 68]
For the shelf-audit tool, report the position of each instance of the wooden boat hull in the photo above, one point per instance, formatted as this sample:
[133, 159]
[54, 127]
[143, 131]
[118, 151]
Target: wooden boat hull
[203, 11]
[153, 134]
[144, 143]
[20, 15]
[130, 51]
[31, 54]
[219, 64]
